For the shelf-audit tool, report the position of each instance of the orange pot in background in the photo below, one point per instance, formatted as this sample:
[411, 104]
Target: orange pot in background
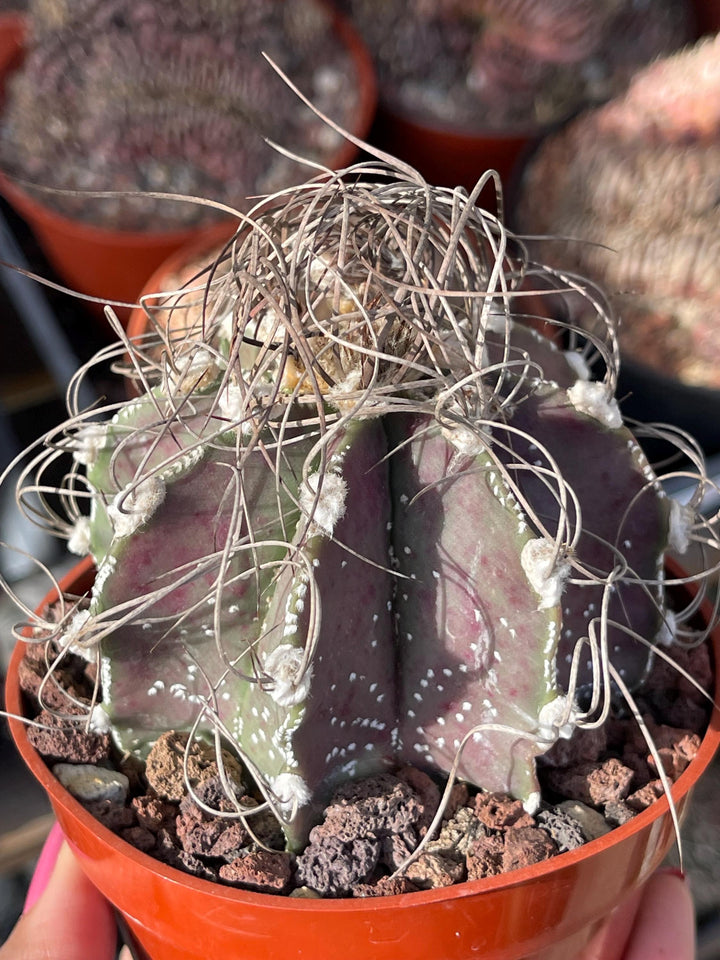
[172, 272]
[116, 264]
[547, 911]
[451, 157]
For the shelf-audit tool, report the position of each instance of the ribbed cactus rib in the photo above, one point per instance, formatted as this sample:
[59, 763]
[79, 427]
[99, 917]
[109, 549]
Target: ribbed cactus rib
[624, 522]
[475, 648]
[183, 565]
[306, 733]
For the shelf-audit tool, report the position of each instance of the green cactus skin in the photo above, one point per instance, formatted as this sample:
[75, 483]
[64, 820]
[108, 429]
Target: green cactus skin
[388, 615]
[343, 722]
[157, 668]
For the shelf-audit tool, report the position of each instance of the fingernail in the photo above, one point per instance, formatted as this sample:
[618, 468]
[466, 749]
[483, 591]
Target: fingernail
[673, 872]
[45, 866]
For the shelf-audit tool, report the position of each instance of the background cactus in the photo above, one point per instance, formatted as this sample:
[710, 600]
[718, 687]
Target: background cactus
[494, 64]
[633, 183]
[344, 529]
[174, 97]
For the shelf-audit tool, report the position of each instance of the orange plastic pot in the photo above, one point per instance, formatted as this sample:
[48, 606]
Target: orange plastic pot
[116, 264]
[172, 273]
[449, 156]
[548, 911]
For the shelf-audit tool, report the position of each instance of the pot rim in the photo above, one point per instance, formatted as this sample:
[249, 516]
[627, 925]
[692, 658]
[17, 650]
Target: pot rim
[60, 796]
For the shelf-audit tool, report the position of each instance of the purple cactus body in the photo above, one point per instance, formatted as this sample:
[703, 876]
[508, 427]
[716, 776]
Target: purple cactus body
[623, 516]
[525, 355]
[474, 647]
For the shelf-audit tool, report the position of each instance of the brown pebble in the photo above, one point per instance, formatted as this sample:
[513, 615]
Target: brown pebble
[646, 795]
[58, 692]
[485, 857]
[592, 783]
[60, 740]
[263, 871]
[525, 846]
[498, 811]
[139, 837]
[432, 870]
[114, 816]
[153, 813]
[385, 887]
[165, 766]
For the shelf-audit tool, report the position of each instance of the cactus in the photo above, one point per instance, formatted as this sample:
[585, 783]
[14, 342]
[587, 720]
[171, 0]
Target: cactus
[636, 179]
[171, 97]
[369, 517]
[499, 64]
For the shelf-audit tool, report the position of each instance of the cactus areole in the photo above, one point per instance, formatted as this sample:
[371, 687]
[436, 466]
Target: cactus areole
[361, 514]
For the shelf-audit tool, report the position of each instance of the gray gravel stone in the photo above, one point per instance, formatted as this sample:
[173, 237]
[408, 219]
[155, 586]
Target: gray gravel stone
[88, 782]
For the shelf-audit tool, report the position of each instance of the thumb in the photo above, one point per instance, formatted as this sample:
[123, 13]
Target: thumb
[69, 921]
[664, 927]
[655, 923]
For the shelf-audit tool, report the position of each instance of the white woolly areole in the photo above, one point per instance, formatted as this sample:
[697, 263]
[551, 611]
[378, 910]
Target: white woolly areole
[79, 539]
[592, 399]
[667, 632]
[532, 804]
[499, 322]
[681, 520]
[232, 406]
[327, 507]
[193, 368]
[230, 402]
[578, 364]
[465, 440]
[73, 633]
[99, 720]
[89, 441]
[104, 570]
[129, 511]
[283, 665]
[291, 791]
[557, 719]
[545, 569]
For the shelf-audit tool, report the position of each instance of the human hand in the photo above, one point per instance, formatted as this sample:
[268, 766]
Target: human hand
[657, 923]
[65, 917]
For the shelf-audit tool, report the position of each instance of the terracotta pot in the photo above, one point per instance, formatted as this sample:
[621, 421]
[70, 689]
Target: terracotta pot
[548, 911]
[115, 264]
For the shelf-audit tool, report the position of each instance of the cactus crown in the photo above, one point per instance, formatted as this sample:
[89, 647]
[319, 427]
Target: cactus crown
[359, 511]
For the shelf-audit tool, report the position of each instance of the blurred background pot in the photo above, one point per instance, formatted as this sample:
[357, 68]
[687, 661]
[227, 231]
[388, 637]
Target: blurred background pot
[112, 260]
[547, 911]
[466, 85]
[633, 183]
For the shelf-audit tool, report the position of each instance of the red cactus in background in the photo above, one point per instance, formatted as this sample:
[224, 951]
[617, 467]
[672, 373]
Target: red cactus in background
[637, 179]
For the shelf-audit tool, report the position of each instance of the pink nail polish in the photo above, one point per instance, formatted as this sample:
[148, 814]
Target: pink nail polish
[673, 872]
[45, 865]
